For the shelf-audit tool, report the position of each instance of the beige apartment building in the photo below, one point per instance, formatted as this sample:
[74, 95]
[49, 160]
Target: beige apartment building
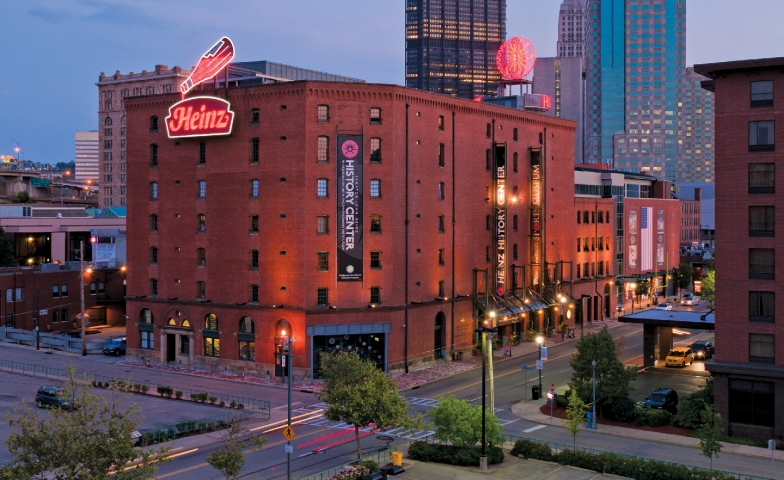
[112, 91]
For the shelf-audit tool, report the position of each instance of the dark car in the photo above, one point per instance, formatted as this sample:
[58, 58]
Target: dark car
[52, 397]
[663, 399]
[115, 347]
[702, 350]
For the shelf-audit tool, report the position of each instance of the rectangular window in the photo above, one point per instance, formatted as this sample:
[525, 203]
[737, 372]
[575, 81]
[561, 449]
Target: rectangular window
[153, 155]
[201, 289]
[375, 150]
[322, 261]
[201, 220]
[323, 225]
[202, 186]
[762, 263]
[107, 178]
[254, 224]
[441, 123]
[211, 347]
[762, 94]
[323, 149]
[55, 291]
[375, 259]
[440, 224]
[375, 294]
[488, 160]
[153, 121]
[322, 113]
[322, 296]
[153, 223]
[154, 191]
[762, 307]
[93, 288]
[254, 259]
[255, 116]
[751, 403]
[254, 293]
[254, 188]
[762, 348]
[375, 115]
[153, 255]
[147, 340]
[579, 244]
[153, 286]
[441, 191]
[441, 159]
[762, 178]
[762, 221]
[761, 136]
[254, 150]
[201, 257]
[322, 188]
[202, 153]
[55, 316]
[441, 256]
[375, 189]
[375, 224]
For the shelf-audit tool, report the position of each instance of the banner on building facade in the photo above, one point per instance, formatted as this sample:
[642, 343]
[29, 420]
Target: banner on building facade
[500, 219]
[349, 202]
[646, 239]
[660, 237]
[633, 239]
[536, 216]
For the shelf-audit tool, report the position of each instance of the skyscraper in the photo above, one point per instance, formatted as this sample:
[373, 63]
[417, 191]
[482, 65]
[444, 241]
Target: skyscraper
[451, 45]
[634, 60]
[86, 156]
[695, 130]
[572, 27]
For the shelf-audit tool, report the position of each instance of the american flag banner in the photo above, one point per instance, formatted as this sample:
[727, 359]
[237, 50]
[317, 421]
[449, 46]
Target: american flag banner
[646, 239]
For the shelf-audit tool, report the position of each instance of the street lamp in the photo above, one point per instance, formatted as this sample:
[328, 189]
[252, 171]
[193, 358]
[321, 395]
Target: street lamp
[562, 301]
[634, 293]
[539, 342]
[287, 340]
[484, 331]
[593, 382]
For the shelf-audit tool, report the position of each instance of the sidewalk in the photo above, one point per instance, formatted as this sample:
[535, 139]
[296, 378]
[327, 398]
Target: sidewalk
[530, 411]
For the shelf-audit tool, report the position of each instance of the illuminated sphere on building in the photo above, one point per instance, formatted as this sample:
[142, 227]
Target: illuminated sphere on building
[515, 58]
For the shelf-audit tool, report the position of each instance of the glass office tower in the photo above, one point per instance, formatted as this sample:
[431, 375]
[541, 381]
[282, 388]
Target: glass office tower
[451, 45]
[635, 60]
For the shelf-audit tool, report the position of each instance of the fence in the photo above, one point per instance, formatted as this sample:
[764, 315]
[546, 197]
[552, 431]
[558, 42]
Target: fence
[173, 431]
[51, 341]
[380, 457]
[261, 408]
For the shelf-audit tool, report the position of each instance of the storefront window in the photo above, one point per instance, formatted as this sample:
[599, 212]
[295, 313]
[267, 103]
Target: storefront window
[371, 347]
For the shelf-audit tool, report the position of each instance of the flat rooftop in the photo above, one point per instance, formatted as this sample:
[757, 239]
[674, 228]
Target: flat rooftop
[672, 318]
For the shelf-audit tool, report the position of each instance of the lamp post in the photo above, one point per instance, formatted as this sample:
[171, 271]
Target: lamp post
[634, 294]
[539, 341]
[484, 331]
[593, 382]
[287, 340]
[81, 292]
[561, 301]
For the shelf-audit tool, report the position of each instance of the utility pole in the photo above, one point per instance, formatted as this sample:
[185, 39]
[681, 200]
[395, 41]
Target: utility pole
[288, 361]
[81, 294]
[36, 321]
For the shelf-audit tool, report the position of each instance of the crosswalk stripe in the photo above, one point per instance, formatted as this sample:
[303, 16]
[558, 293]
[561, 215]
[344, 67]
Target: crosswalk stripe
[532, 429]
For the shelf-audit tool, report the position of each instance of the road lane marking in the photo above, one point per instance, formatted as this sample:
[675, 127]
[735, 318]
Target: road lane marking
[533, 429]
[285, 406]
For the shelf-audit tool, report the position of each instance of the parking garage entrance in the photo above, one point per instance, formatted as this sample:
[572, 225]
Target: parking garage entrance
[657, 329]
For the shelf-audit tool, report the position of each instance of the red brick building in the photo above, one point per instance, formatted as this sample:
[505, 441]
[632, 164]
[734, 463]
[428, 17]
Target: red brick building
[690, 222]
[749, 365]
[232, 239]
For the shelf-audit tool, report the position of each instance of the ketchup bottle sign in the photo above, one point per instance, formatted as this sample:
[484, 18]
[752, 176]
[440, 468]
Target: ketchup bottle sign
[210, 64]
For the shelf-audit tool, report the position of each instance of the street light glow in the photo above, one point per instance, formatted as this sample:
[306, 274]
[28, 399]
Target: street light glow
[492, 313]
[539, 339]
[283, 333]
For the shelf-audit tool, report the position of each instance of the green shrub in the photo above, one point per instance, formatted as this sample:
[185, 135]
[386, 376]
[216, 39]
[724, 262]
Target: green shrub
[371, 466]
[240, 406]
[145, 389]
[640, 416]
[233, 404]
[533, 450]
[222, 403]
[691, 406]
[579, 459]
[453, 455]
[563, 400]
[658, 418]
[178, 394]
[213, 400]
[623, 410]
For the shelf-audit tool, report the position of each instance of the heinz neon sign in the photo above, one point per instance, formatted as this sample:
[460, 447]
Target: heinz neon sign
[210, 64]
[199, 117]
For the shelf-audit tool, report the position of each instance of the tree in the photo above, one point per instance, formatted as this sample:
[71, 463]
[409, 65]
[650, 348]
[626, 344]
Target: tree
[21, 197]
[230, 459]
[709, 287]
[7, 255]
[575, 415]
[87, 442]
[612, 376]
[359, 394]
[643, 288]
[709, 433]
[691, 406]
[685, 273]
[459, 422]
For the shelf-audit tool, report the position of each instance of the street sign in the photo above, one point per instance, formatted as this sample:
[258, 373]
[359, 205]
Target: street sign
[288, 448]
[526, 367]
[43, 312]
[538, 364]
[544, 354]
[288, 432]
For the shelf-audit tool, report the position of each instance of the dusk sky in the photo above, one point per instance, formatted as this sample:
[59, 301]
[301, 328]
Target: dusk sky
[55, 50]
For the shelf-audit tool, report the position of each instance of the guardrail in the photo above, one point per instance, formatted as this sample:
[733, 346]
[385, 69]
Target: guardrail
[261, 408]
[51, 341]
[379, 457]
[151, 436]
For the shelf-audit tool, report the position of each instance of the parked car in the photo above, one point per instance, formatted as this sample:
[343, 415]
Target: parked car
[664, 306]
[115, 347]
[689, 299]
[53, 397]
[663, 399]
[679, 357]
[702, 350]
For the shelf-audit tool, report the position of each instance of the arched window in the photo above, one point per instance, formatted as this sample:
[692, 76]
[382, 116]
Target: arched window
[186, 324]
[247, 339]
[282, 328]
[211, 336]
[172, 322]
[146, 329]
[107, 121]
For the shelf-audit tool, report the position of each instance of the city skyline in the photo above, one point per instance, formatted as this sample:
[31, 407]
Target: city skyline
[43, 121]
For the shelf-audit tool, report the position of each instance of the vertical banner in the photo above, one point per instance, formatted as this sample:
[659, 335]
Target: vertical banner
[646, 239]
[500, 219]
[632, 239]
[660, 237]
[536, 216]
[349, 184]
